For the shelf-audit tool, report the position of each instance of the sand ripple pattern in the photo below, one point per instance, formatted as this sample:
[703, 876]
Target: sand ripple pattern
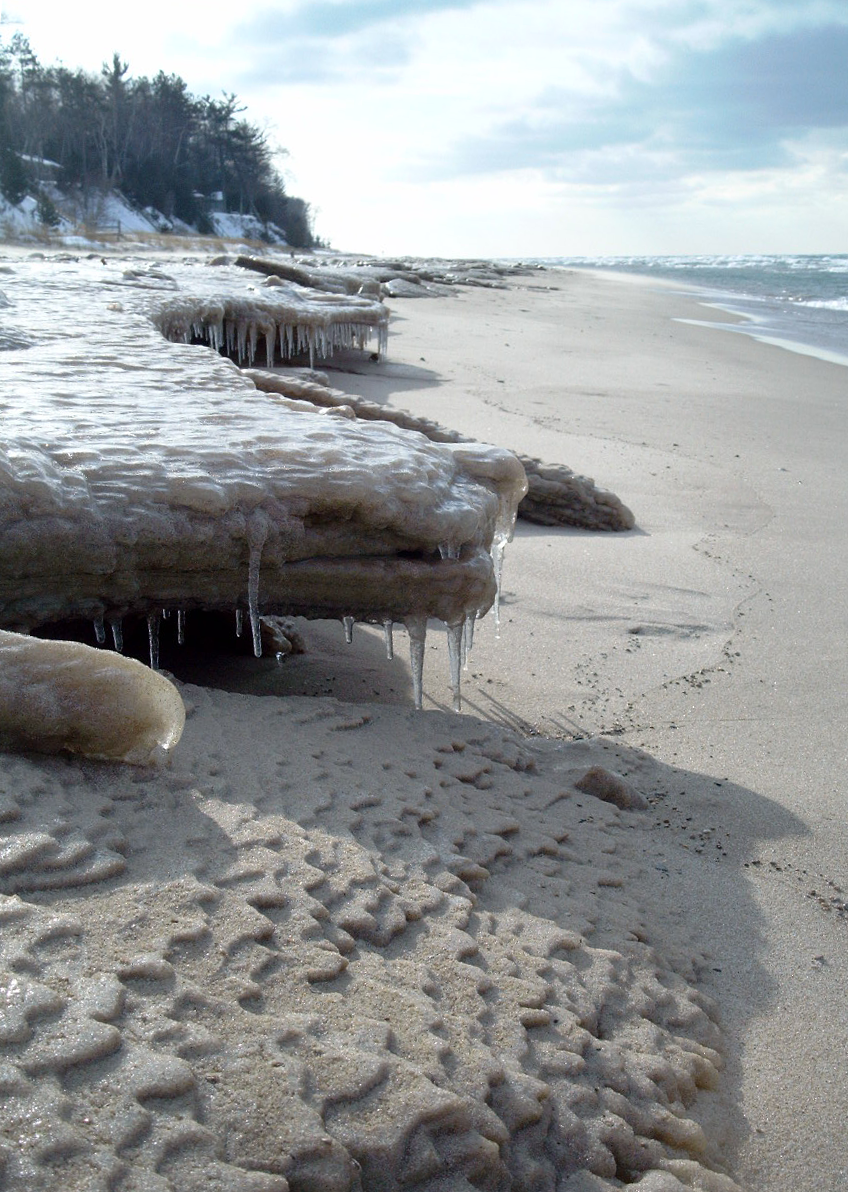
[326, 968]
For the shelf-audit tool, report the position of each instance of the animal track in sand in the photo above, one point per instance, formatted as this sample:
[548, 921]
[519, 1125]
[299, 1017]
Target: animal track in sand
[828, 894]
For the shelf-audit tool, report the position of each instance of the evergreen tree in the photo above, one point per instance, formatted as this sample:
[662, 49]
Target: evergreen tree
[14, 180]
[162, 146]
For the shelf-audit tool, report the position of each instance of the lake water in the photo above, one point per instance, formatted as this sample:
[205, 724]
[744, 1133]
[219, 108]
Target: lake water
[800, 302]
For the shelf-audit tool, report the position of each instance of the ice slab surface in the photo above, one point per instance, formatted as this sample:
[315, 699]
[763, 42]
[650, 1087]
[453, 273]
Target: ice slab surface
[556, 495]
[138, 473]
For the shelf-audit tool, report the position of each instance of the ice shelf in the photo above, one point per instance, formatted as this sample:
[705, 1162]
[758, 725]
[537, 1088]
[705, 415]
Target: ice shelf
[556, 495]
[138, 474]
[283, 319]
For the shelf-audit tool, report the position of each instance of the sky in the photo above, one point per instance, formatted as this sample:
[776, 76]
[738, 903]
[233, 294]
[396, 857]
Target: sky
[515, 128]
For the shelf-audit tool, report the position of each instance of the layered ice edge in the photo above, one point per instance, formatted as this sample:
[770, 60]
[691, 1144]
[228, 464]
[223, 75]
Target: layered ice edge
[139, 474]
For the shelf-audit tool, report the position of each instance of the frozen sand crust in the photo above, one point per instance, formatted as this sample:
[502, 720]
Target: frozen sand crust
[156, 472]
[57, 695]
[304, 973]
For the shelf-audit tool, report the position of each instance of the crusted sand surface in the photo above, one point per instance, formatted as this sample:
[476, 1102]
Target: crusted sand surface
[337, 947]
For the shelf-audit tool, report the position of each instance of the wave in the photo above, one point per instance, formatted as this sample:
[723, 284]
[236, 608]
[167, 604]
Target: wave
[824, 304]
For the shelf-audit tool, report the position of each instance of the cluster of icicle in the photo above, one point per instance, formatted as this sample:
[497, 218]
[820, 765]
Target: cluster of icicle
[315, 325]
[460, 633]
[460, 640]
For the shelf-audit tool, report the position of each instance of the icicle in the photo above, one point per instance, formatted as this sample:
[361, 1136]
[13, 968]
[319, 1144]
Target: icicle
[448, 551]
[498, 547]
[166, 613]
[455, 636]
[468, 637]
[117, 634]
[257, 533]
[348, 623]
[387, 634]
[286, 341]
[504, 528]
[416, 627]
[180, 626]
[253, 599]
[99, 630]
[153, 637]
[239, 622]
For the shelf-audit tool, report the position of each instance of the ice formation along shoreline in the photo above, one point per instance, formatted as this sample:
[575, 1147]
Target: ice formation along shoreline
[329, 947]
[158, 477]
[556, 495]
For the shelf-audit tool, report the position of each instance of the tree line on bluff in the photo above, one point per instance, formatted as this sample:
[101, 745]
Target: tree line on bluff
[161, 146]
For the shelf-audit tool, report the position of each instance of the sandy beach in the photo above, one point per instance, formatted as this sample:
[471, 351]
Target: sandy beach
[711, 638]
[339, 944]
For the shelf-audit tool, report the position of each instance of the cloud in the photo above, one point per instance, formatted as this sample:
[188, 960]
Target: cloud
[330, 41]
[789, 82]
[380, 60]
[731, 107]
[332, 19]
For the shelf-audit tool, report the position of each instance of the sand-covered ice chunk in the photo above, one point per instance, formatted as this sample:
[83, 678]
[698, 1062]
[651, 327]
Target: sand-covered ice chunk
[611, 788]
[57, 695]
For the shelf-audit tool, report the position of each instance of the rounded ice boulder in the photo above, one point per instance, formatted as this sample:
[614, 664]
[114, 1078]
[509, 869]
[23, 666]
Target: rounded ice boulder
[57, 695]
